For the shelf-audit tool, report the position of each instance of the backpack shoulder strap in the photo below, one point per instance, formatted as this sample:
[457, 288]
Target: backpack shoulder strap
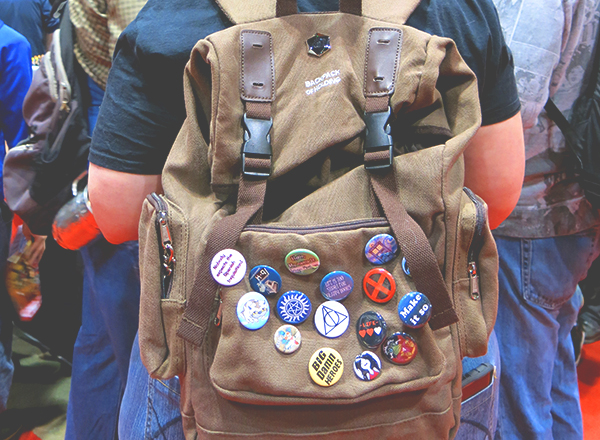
[248, 11]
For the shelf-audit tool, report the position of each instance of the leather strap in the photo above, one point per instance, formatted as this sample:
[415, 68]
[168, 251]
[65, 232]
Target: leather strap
[257, 79]
[413, 242]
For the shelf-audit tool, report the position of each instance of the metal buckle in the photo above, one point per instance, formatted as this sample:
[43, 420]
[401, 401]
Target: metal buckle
[257, 143]
[378, 138]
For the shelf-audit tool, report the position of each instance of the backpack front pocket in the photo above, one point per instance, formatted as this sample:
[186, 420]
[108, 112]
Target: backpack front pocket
[247, 366]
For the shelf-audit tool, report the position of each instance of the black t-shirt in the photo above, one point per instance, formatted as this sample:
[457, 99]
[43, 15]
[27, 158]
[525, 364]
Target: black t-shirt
[143, 107]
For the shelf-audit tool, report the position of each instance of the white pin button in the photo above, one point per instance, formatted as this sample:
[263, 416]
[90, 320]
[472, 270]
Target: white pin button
[228, 267]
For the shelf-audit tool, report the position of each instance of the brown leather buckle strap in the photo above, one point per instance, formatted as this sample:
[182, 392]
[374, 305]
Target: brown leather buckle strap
[413, 242]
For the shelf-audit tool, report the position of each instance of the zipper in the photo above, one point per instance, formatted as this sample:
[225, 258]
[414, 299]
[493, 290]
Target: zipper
[304, 230]
[476, 244]
[164, 238]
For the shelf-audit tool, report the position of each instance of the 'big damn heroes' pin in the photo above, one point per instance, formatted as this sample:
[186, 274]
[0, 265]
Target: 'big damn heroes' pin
[326, 367]
[371, 329]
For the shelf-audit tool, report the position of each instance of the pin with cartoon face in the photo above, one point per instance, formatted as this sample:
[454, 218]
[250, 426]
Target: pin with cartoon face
[367, 366]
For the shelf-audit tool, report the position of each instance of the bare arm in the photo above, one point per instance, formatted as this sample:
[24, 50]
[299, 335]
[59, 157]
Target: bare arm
[116, 200]
[495, 166]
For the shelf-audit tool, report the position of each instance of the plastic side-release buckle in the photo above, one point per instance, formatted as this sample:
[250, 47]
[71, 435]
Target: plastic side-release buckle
[257, 144]
[378, 147]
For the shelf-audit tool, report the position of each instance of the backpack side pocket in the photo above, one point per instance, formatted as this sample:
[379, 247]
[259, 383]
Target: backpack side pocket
[475, 276]
[161, 303]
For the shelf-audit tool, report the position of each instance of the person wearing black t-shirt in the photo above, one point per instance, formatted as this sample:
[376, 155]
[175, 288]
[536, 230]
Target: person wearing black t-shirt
[143, 110]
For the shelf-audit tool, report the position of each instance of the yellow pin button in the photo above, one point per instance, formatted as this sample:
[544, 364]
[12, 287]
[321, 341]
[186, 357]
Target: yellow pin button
[326, 367]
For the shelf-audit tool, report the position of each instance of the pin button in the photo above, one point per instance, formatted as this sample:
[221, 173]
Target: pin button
[326, 367]
[253, 310]
[379, 285]
[399, 348]
[414, 309]
[265, 280]
[405, 267]
[381, 249]
[302, 262]
[336, 285]
[331, 319]
[371, 329]
[228, 267]
[367, 366]
[294, 307]
[287, 339]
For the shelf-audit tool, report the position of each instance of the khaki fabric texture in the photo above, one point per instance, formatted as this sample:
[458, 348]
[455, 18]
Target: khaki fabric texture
[235, 384]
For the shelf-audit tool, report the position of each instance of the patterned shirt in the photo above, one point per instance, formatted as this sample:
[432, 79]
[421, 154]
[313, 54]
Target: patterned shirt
[98, 24]
[552, 42]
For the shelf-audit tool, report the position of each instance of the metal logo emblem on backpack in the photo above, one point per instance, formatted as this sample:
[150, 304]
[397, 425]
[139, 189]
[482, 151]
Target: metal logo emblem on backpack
[318, 44]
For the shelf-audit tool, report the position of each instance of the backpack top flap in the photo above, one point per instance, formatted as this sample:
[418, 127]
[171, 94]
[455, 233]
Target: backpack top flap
[319, 102]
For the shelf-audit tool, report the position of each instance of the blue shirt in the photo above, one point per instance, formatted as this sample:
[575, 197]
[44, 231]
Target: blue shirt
[145, 84]
[15, 78]
[32, 19]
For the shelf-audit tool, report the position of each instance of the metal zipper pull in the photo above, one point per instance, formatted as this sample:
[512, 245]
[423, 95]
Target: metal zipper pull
[473, 281]
[165, 235]
[219, 314]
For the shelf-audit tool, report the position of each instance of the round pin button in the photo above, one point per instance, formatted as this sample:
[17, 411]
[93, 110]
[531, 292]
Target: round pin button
[228, 267]
[399, 348]
[294, 307]
[287, 339]
[381, 249]
[379, 285]
[414, 309]
[265, 280]
[405, 267]
[336, 285]
[371, 329]
[331, 319]
[253, 310]
[302, 262]
[367, 366]
[326, 367]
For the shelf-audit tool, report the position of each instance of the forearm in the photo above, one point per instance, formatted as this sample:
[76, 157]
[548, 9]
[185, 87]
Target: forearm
[116, 200]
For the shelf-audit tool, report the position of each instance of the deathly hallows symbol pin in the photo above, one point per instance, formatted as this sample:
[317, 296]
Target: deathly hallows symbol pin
[318, 44]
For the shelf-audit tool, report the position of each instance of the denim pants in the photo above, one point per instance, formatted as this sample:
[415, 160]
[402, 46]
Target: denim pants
[6, 308]
[111, 295]
[158, 417]
[539, 395]
[150, 407]
[479, 413]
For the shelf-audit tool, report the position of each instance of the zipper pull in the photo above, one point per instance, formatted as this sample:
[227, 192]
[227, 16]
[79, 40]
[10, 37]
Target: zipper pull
[219, 314]
[165, 235]
[473, 281]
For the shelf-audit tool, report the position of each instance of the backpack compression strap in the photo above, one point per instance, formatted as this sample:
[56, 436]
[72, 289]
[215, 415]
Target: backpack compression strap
[257, 85]
[383, 53]
[248, 11]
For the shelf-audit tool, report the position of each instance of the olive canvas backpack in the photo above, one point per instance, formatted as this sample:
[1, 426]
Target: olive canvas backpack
[315, 268]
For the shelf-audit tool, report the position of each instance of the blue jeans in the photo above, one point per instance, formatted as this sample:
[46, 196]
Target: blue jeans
[156, 418]
[539, 395]
[6, 365]
[479, 413]
[111, 295]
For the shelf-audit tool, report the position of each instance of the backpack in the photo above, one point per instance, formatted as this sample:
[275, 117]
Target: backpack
[313, 145]
[39, 173]
[582, 133]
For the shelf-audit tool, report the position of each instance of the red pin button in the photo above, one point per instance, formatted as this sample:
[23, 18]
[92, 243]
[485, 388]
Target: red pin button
[379, 285]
